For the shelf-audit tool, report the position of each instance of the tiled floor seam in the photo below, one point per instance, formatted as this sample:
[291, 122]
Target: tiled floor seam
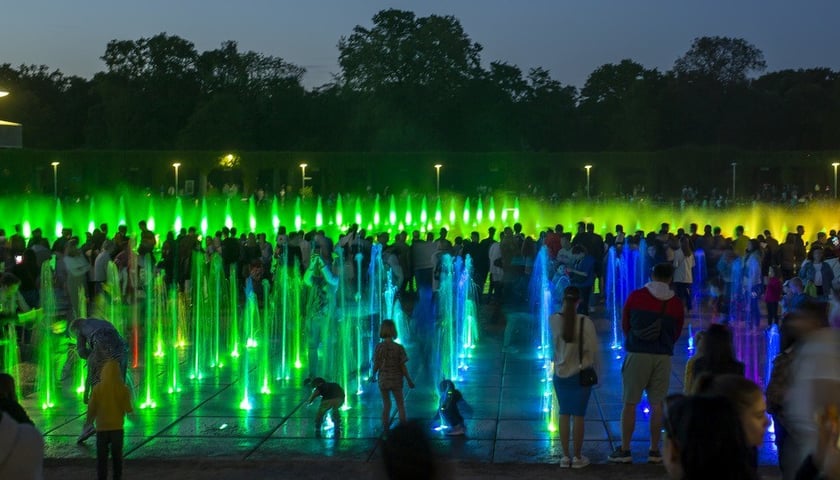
[178, 419]
[499, 410]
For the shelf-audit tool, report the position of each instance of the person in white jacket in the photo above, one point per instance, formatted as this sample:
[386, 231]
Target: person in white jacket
[683, 270]
[21, 450]
[497, 273]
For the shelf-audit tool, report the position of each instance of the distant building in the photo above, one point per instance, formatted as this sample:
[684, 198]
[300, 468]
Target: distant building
[11, 135]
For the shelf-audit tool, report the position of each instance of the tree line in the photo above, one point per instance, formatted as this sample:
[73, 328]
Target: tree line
[411, 83]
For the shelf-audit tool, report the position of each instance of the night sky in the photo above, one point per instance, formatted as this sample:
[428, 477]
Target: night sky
[570, 38]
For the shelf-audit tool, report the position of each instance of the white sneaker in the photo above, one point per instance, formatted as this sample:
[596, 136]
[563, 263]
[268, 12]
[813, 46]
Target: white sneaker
[580, 462]
[565, 462]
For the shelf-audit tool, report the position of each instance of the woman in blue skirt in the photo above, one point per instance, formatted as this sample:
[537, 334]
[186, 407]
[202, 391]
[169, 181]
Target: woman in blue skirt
[566, 330]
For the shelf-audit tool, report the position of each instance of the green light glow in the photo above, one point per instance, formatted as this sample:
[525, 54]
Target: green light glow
[228, 215]
[58, 217]
[516, 209]
[339, 210]
[150, 218]
[319, 214]
[275, 216]
[252, 213]
[467, 212]
[153, 311]
[438, 212]
[492, 213]
[392, 212]
[204, 222]
[91, 216]
[298, 216]
[376, 216]
[179, 209]
[27, 228]
[44, 330]
[121, 214]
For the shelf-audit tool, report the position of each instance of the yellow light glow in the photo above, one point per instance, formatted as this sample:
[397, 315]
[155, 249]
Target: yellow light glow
[3, 93]
[438, 165]
[229, 161]
[176, 164]
[587, 167]
[835, 164]
[55, 164]
[303, 165]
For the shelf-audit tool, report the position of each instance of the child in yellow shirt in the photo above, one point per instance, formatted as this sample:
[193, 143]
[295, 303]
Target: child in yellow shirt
[109, 401]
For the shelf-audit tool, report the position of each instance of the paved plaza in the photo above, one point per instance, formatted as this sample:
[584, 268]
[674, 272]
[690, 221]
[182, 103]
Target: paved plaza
[202, 433]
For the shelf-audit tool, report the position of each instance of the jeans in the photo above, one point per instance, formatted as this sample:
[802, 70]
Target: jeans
[683, 292]
[104, 439]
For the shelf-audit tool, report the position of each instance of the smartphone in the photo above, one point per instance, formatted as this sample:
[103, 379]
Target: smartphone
[18, 259]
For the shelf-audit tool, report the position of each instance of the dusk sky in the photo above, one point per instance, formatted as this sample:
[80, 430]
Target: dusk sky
[570, 38]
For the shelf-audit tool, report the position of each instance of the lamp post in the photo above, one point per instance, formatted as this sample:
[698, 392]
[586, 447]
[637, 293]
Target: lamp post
[303, 176]
[588, 168]
[734, 164]
[437, 174]
[3, 93]
[835, 165]
[55, 179]
[176, 165]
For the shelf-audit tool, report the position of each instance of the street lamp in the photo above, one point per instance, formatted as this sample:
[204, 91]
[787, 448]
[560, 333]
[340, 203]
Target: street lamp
[303, 175]
[55, 178]
[835, 165]
[3, 93]
[176, 165]
[437, 174]
[734, 164]
[588, 168]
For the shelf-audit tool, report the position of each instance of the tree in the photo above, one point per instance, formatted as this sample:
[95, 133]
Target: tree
[619, 105]
[407, 72]
[723, 60]
[50, 105]
[550, 112]
[402, 49]
[148, 93]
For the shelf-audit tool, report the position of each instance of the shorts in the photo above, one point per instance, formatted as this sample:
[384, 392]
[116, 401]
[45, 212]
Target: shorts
[645, 372]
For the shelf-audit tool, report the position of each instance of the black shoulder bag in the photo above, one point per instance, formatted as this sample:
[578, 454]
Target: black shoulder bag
[588, 376]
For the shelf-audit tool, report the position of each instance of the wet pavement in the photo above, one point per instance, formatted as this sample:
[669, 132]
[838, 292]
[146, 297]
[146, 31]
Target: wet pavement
[202, 432]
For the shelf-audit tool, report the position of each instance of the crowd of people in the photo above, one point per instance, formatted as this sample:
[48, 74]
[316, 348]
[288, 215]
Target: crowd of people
[800, 275]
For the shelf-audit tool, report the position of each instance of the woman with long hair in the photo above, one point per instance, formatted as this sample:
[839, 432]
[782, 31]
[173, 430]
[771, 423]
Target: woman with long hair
[704, 439]
[717, 353]
[575, 348]
[748, 400]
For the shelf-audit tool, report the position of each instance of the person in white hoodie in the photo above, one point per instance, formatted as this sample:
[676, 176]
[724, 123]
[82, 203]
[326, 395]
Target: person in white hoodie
[21, 450]
[76, 283]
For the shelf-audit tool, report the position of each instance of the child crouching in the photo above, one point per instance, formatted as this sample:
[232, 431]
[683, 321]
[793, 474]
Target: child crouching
[449, 411]
[332, 398]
